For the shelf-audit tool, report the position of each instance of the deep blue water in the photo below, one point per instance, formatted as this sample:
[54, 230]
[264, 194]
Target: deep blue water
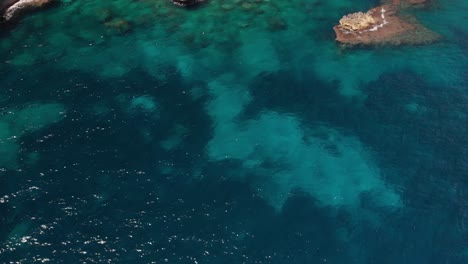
[239, 136]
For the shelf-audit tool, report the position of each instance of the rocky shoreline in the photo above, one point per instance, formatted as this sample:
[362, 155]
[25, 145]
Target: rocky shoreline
[12, 9]
[384, 25]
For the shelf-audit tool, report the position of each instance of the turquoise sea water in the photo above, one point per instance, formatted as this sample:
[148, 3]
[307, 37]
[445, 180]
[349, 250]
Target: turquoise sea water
[235, 132]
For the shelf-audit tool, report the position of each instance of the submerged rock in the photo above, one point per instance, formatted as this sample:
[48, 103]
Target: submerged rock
[118, 26]
[383, 24]
[11, 9]
[186, 3]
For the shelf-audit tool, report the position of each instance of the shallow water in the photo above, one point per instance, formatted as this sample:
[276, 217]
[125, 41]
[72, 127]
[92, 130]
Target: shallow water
[236, 132]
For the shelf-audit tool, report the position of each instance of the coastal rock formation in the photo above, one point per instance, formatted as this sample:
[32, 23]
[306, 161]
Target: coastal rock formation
[185, 3]
[383, 24]
[357, 21]
[5, 4]
[11, 9]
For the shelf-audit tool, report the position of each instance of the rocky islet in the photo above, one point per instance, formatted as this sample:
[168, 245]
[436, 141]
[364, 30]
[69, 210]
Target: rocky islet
[384, 25]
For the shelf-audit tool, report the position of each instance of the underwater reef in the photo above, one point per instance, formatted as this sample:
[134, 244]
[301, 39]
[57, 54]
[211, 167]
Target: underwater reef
[232, 131]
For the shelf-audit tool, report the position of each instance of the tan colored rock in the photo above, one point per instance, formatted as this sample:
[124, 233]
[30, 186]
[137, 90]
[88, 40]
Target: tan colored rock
[22, 5]
[5, 4]
[383, 25]
[357, 21]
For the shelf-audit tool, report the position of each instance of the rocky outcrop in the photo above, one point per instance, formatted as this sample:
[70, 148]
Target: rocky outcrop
[186, 3]
[383, 24]
[357, 21]
[12, 9]
[5, 4]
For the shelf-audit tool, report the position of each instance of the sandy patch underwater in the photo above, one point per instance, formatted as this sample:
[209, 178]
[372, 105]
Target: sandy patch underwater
[335, 169]
[243, 42]
[18, 121]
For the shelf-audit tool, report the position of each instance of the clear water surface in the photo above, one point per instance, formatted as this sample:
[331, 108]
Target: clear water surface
[236, 132]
